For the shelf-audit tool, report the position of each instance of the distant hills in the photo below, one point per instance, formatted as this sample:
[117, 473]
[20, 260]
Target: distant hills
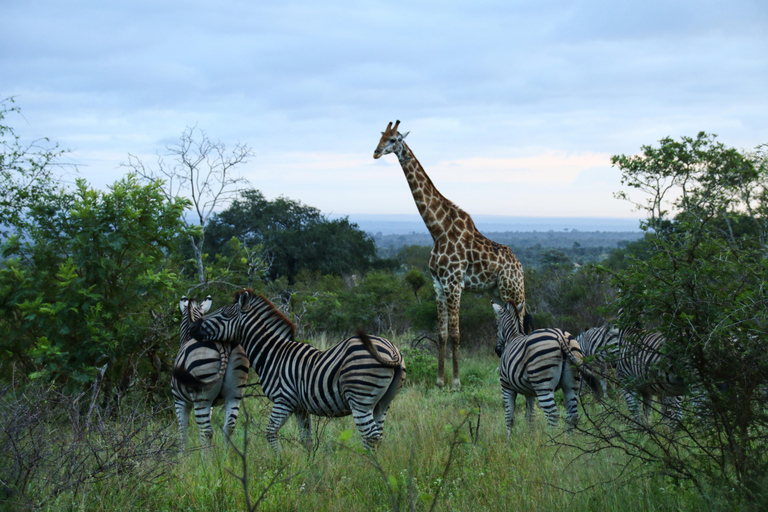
[404, 224]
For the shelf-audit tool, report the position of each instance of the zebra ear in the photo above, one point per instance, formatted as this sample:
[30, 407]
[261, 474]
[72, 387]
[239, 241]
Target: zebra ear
[244, 301]
[496, 308]
[206, 305]
[520, 308]
[183, 304]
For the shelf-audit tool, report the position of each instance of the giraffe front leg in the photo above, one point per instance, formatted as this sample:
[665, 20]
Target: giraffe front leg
[442, 333]
[453, 306]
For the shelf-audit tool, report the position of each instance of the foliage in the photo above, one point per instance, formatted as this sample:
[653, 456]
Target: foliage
[26, 172]
[701, 283]
[294, 236]
[71, 287]
[568, 298]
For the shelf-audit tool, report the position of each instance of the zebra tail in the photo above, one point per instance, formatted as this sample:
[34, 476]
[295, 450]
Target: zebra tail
[375, 353]
[572, 350]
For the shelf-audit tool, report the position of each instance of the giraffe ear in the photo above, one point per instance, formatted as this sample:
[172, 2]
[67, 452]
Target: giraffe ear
[404, 135]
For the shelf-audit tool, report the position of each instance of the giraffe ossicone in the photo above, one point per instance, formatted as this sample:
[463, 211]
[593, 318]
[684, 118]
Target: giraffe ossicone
[461, 257]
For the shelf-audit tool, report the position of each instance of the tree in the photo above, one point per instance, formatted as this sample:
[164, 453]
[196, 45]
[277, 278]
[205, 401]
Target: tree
[26, 171]
[296, 237]
[701, 283]
[75, 290]
[203, 171]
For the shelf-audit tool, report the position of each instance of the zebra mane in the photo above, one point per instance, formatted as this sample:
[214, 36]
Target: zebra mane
[267, 309]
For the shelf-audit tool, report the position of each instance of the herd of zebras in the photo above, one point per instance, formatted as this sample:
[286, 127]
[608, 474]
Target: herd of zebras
[362, 374]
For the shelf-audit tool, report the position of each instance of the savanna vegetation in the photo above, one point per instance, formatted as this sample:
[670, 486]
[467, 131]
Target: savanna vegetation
[89, 287]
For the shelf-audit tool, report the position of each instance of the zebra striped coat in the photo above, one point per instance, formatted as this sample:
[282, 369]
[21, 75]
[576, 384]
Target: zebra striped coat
[206, 373]
[602, 344]
[359, 376]
[535, 365]
[643, 371]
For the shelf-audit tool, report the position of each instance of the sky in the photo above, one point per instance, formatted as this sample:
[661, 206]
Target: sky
[513, 107]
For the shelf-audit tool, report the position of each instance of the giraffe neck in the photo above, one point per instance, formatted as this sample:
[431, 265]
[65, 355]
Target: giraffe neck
[436, 210]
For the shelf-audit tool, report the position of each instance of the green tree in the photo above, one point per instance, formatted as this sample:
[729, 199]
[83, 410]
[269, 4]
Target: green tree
[295, 237]
[75, 290]
[701, 283]
[26, 171]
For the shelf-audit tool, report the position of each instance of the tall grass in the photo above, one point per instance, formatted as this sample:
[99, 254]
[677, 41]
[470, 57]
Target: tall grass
[441, 449]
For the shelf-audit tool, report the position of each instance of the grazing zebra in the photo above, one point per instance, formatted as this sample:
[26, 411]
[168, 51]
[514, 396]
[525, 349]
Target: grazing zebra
[535, 365]
[206, 373]
[359, 376]
[602, 344]
[643, 371]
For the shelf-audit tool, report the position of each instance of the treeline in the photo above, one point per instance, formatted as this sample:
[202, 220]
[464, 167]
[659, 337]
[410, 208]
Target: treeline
[532, 248]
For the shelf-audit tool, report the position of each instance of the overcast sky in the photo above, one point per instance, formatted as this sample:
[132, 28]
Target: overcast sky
[514, 108]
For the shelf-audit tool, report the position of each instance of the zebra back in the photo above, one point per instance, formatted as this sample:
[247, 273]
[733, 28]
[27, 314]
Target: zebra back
[643, 366]
[602, 344]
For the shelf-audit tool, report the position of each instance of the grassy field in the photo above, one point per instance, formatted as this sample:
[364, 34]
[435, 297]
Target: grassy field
[442, 450]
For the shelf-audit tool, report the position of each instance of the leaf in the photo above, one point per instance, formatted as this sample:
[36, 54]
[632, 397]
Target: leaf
[345, 435]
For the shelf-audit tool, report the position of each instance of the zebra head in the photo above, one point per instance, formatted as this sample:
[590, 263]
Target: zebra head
[223, 324]
[190, 312]
[508, 323]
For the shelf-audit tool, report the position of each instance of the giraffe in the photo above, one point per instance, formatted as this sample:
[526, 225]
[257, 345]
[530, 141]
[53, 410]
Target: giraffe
[461, 257]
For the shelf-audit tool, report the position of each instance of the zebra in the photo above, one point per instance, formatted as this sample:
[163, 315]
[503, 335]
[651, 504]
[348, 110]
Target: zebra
[602, 345]
[535, 365]
[206, 373]
[359, 376]
[642, 370]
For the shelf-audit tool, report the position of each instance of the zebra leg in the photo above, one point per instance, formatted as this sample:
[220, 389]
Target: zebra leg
[305, 428]
[571, 407]
[369, 428]
[232, 411]
[277, 418]
[631, 398]
[182, 415]
[530, 403]
[547, 402]
[509, 409]
[672, 411]
[203, 419]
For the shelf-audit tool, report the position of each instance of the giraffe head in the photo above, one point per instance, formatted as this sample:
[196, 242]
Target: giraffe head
[391, 141]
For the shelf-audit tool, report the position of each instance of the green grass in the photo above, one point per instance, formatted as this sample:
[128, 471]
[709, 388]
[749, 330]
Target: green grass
[530, 471]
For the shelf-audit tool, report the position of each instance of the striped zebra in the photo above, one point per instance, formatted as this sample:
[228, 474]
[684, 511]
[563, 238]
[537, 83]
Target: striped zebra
[643, 372]
[206, 373]
[359, 376]
[535, 365]
[602, 345]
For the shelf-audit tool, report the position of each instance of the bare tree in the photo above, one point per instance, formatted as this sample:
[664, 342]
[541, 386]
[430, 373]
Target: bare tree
[202, 171]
